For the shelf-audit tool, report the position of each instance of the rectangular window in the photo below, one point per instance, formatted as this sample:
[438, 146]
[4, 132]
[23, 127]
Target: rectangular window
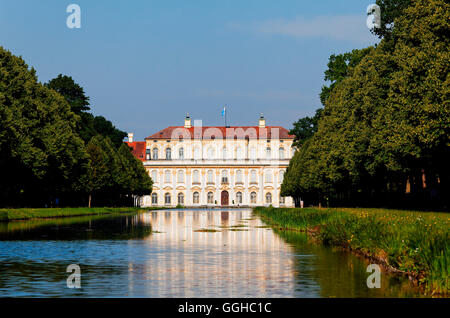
[167, 176]
[253, 177]
[239, 177]
[196, 177]
[210, 177]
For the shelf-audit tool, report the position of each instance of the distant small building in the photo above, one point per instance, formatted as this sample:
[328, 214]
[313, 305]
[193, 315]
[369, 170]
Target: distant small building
[216, 166]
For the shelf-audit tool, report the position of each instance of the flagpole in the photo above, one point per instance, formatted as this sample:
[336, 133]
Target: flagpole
[224, 114]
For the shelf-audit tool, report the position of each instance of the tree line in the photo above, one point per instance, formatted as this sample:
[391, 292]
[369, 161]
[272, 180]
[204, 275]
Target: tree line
[382, 136]
[53, 152]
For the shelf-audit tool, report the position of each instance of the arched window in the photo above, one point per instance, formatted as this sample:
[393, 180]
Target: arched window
[224, 153]
[167, 176]
[224, 176]
[281, 153]
[155, 154]
[180, 176]
[210, 176]
[154, 198]
[268, 178]
[154, 176]
[210, 153]
[253, 176]
[196, 177]
[253, 197]
[239, 176]
[168, 154]
[281, 176]
[167, 198]
[181, 153]
[196, 198]
[239, 198]
[148, 154]
[180, 198]
[210, 198]
[268, 198]
[268, 153]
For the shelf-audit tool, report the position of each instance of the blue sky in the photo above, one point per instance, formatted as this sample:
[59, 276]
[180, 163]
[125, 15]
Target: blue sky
[145, 64]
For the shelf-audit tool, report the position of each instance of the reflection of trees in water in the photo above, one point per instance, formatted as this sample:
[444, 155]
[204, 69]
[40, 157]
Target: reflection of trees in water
[106, 227]
[47, 279]
[340, 273]
[181, 262]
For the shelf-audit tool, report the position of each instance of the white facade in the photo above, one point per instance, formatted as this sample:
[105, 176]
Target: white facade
[209, 172]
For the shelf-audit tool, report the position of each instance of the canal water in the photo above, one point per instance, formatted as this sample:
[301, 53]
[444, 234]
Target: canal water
[178, 253]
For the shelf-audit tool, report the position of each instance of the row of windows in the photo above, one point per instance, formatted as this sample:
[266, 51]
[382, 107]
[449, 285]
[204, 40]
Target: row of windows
[167, 154]
[210, 176]
[210, 198]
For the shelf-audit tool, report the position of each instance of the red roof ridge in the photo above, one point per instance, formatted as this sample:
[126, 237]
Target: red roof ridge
[166, 133]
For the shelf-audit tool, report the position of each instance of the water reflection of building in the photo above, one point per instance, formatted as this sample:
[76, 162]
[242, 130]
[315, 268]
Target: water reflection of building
[189, 263]
[216, 166]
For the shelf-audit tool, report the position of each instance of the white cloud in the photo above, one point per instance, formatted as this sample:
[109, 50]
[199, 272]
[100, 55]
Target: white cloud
[340, 28]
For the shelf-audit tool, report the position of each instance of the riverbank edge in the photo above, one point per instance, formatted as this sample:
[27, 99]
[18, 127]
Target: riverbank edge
[7, 215]
[314, 232]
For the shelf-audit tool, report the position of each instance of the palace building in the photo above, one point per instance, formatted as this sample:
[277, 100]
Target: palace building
[232, 166]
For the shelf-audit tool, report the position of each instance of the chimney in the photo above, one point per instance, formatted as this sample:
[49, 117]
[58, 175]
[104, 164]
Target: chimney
[187, 121]
[130, 137]
[262, 122]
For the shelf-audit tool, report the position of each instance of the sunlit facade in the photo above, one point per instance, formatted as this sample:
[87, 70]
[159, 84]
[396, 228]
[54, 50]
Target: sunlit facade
[192, 165]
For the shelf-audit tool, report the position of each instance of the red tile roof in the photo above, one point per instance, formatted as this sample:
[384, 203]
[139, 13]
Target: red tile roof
[138, 149]
[238, 132]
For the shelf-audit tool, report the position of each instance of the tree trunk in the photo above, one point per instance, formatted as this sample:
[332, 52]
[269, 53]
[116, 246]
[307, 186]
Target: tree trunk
[90, 199]
[297, 202]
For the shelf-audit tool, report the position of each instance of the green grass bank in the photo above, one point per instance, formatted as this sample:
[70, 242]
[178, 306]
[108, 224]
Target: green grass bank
[413, 242]
[25, 214]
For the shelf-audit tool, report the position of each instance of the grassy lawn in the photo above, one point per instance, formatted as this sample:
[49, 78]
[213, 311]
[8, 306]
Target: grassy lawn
[25, 214]
[413, 242]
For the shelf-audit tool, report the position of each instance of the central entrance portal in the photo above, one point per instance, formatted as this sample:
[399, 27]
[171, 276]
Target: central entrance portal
[224, 198]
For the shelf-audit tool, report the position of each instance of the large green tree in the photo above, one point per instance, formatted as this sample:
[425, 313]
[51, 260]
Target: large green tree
[339, 67]
[113, 176]
[50, 147]
[40, 151]
[97, 176]
[139, 181]
[72, 92]
[88, 125]
[386, 122]
[305, 128]
[413, 127]
[390, 11]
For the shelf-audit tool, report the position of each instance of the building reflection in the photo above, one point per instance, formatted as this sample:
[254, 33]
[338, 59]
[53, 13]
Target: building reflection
[241, 259]
[211, 253]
